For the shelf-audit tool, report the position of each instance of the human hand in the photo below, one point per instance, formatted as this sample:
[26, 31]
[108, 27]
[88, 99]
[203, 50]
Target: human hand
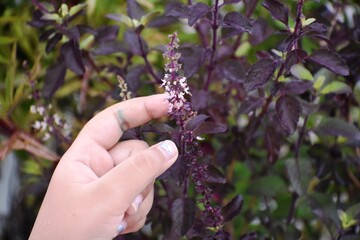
[102, 187]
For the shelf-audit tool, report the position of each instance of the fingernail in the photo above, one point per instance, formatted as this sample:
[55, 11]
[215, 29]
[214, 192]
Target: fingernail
[136, 203]
[122, 226]
[168, 148]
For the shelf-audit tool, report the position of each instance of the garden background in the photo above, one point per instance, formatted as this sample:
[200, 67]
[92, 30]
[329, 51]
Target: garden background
[276, 87]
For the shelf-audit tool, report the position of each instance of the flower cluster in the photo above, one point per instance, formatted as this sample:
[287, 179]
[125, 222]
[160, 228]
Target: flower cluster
[176, 89]
[50, 124]
[125, 94]
[176, 86]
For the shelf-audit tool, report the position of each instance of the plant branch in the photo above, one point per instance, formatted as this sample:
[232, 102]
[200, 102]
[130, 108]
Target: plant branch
[147, 63]
[214, 44]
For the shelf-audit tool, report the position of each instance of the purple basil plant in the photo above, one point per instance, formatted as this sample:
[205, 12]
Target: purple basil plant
[263, 96]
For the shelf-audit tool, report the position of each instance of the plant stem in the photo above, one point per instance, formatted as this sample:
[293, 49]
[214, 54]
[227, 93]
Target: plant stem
[292, 208]
[147, 63]
[214, 44]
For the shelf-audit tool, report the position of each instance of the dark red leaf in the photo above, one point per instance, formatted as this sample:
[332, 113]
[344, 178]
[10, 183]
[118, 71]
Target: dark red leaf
[71, 56]
[209, 127]
[278, 10]
[259, 74]
[54, 79]
[195, 121]
[51, 44]
[197, 11]
[215, 176]
[331, 61]
[182, 215]
[288, 111]
[106, 34]
[233, 208]
[134, 10]
[238, 21]
[43, 37]
[260, 31]
[233, 70]
[272, 144]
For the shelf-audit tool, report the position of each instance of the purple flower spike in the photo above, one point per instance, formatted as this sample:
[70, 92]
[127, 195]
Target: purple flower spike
[176, 87]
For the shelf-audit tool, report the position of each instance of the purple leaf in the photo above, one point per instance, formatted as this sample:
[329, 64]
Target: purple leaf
[338, 127]
[106, 48]
[249, 236]
[195, 121]
[158, 128]
[259, 74]
[177, 172]
[238, 21]
[278, 10]
[132, 39]
[233, 70]
[260, 31]
[294, 57]
[162, 21]
[231, 1]
[176, 9]
[272, 143]
[106, 34]
[192, 59]
[182, 215]
[233, 208]
[43, 37]
[297, 87]
[134, 10]
[209, 127]
[71, 56]
[54, 79]
[51, 44]
[215, 176]
[251, 104]
[72, 33]
[132, 77]
[288, 111]
[197, 11]
[331, 61]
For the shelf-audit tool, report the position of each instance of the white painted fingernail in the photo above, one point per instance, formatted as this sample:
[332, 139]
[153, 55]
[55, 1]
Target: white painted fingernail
[169, 148]
[122, 226]
[137, 201]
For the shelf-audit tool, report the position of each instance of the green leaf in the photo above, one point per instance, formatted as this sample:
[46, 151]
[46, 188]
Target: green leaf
[299, 71]
[10, 77]
[298, 174]
[353, 211]
[319, 82]
[148, 17]
[122, 19]
[267, 186]
[6, 40]
[336, 87]
[77, 8]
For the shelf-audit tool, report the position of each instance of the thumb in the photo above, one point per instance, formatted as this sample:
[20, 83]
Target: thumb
[128, 179]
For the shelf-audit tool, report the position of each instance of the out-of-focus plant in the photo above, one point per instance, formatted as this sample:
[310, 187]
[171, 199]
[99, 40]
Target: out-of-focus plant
[276, 81]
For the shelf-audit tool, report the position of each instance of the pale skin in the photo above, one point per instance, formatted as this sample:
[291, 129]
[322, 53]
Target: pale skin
[103, 187]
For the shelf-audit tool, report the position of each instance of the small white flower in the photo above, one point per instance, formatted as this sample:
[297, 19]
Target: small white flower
[46, 137]
[37, 125]
[200, 138]
[33, 109]
[41, 110]
[57, 119]
[44, 125]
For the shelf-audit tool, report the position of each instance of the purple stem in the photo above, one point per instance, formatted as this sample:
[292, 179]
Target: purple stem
[214, 44]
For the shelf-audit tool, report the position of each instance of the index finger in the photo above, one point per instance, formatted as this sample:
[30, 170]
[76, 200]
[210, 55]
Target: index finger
[106, 128]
